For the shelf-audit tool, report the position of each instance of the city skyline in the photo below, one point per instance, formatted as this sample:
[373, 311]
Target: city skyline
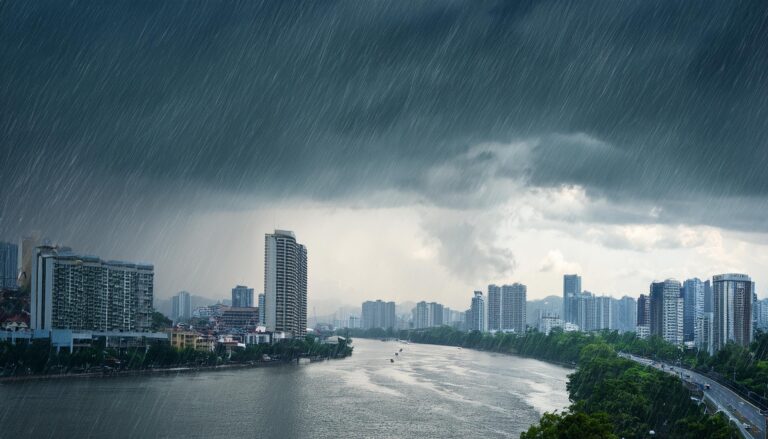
[429, 173]
[332, 306]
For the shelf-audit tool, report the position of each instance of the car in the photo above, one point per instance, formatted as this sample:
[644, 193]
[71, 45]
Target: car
[747, 426]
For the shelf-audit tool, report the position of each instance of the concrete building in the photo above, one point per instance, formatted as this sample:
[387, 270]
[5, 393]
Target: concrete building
[83, 293]
[666, 311]
[242, 318]
[571, 293]
[242, 297]
[285, 284]
[513, 309]
[189, 340]
[9, 268]
[378, 314]
[494, 308]
[476, 320]
[732, 296]
[181, 306]
[547, 323]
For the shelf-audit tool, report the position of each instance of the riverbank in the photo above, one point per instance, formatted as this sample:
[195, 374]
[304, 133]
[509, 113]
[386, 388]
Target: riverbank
[145, 372]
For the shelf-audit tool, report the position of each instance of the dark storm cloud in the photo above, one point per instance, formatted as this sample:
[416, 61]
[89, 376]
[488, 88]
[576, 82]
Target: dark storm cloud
[105, 104]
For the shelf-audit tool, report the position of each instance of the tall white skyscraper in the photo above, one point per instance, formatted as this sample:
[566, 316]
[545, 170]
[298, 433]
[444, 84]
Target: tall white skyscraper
[285, 284]
[732, 309]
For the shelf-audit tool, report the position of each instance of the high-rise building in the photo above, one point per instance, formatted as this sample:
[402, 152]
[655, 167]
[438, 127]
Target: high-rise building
[435, 314]
[643, 310]
[703, 332]
[624, 314]
[378, 314]
[242, 297]
[708, 300]
[84, 293]
[594, 312]
[477, 315]
[181, 306]
[494, 308]
[693, 306]
[667, 311]
[9, 269]
[571, 293]
[513, 298]
[761, 311]
[732, 310]
[285, 284]
[261, 309]
[26, 256]
[421, 315]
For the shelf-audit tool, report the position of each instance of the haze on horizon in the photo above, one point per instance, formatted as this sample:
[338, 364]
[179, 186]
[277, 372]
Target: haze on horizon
[420, 150]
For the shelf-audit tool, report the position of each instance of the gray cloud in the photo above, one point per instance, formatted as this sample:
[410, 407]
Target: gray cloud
[110, 110]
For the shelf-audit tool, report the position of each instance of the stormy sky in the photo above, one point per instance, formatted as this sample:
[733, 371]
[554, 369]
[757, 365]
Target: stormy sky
[419, 149]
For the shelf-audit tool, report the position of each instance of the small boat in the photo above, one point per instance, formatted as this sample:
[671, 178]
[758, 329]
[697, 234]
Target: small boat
[401, 349]
[391, 360]
[396, 354]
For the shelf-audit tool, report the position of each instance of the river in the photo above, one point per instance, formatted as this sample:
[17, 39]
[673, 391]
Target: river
[430, 391]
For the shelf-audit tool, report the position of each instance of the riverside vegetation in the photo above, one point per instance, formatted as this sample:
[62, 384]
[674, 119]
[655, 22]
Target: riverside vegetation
[611, 397]
[38, 357]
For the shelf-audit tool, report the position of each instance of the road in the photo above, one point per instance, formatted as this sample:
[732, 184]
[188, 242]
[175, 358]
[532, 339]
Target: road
[738, 409]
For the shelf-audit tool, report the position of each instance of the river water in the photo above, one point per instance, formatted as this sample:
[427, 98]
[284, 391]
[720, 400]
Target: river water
[429, 392]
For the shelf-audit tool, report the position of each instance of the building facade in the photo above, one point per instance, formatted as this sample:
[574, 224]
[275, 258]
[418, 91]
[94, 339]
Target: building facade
[242, 297]
[378, 314]
[9, 265]
[494, 307]
[84, 293]
[181, 306]
[693, 306]
[643, 310]
[571, 293]
[513, 309]
[477, 316]
[285, 284]
[732, 296]
[666, 311]
[624, 314]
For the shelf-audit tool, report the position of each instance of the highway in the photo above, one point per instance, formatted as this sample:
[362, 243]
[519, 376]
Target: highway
[738, 409]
